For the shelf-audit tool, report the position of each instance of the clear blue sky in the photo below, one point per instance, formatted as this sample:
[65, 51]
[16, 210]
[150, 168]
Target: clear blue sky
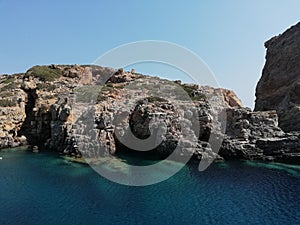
[227, 35]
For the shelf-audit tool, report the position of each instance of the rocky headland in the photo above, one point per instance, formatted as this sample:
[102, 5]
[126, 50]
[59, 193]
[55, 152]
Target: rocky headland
[91, 112]
[279, 87]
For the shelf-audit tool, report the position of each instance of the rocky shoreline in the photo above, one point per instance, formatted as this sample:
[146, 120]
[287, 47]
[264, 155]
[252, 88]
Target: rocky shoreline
[87, 112]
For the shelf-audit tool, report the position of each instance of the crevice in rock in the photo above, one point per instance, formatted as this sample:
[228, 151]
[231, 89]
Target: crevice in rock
[36, 127]
[27, 128]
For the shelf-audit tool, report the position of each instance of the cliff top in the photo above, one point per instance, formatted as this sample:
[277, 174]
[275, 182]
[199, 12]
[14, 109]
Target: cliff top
[54, 79]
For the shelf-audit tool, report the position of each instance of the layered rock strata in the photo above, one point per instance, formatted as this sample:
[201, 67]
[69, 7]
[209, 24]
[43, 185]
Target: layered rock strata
[94, 112]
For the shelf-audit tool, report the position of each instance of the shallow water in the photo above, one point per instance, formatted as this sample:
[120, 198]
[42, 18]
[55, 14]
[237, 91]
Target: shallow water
[45, 189]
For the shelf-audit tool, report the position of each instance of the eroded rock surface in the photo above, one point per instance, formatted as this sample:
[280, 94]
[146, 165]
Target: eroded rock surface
[94, 112]
[279, 87]
[256, 135]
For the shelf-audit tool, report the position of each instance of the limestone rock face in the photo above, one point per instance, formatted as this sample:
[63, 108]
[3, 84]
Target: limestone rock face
[12, 111]
[256, 135]
[34, 105]
[231, 98]
[93, 112]
[279, 87]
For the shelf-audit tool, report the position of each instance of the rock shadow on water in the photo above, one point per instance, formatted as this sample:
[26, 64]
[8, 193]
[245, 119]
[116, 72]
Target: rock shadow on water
[293, 170]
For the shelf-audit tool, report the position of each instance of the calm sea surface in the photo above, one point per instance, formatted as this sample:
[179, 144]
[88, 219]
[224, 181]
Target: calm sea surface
[45, 189]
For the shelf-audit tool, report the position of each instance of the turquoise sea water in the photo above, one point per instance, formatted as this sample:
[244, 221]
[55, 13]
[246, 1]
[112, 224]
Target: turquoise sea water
[45, 189]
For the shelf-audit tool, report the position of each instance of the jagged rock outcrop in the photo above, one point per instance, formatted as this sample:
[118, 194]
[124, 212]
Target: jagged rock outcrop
[133, 106]
[28, 102]
[12, 111]
[279, 87]
[94, 112]
[231, 98]
[256, 135]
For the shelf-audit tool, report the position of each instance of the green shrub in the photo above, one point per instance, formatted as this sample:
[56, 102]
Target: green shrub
[6, 103]
[9, 86]
[156, 99]
[190, 90]
[200, 97]
[101, 98]
[151, 99]
[10, 83]
[45, 73]
[107, 88]
[46, 87]
[119, 86]
[6, 94]
[110, 85]
[87, 93]
[9, 80]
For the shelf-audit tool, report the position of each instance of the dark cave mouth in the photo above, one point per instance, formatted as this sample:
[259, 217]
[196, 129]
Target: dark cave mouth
[27, 129]
[139, 158]
[31, 127]
[135, 157]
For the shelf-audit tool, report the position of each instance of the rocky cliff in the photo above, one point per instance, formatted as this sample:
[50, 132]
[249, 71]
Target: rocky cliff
[279, 87]
[94, 112]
